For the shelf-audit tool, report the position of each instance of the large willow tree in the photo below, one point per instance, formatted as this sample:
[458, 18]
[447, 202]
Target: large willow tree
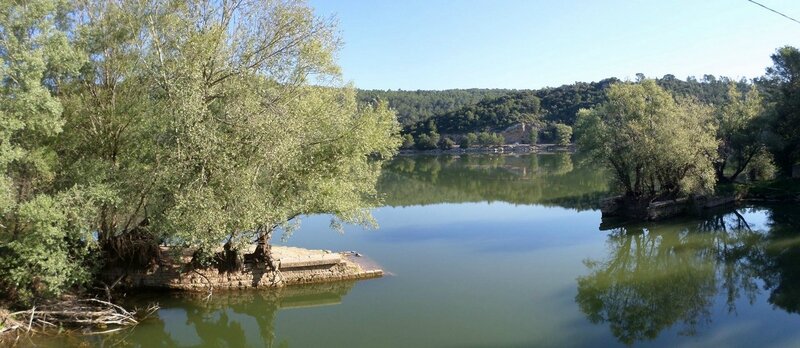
[656, 147]
[191, 123]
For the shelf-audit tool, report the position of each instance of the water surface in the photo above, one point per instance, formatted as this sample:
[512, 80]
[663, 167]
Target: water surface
[511, 251]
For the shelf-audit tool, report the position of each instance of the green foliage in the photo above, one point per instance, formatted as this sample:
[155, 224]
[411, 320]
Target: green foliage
[761, 166]
[563, 134]
[180, 123]
[468, 140]
[488, 114]
[533, 136]
[418, 106]
[428, 141]
[251, 143]
[561, 104]
[558, 105]
[782, 86]
[503, 108]
[490, 139]
[446, 143]
[740, 131]
[56, 249]
[657, 147]
[111, 138]
[408, 141]
[43, 239]
[782, 188]
[708, 90]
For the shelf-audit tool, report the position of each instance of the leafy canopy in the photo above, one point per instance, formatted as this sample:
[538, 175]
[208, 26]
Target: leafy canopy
[657, 147]
[126, 124]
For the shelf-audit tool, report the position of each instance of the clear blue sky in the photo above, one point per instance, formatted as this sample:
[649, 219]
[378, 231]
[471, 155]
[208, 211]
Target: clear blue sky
[439, 44]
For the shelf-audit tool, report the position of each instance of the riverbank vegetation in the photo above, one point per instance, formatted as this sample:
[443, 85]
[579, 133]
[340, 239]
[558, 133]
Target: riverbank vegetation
[656, 147]
[125, 126]
[663, 146]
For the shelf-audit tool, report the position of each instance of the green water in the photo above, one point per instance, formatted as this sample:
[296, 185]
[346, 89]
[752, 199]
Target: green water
[511, 251]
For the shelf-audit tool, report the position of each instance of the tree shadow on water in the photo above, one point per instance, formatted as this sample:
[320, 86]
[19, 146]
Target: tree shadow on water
[659, 275]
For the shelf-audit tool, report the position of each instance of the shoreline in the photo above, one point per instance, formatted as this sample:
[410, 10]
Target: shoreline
[499, 149]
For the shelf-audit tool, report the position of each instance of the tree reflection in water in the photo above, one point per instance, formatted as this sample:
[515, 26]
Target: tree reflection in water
[224, 319]
[658, 275]
[547, 179]
[780, 267]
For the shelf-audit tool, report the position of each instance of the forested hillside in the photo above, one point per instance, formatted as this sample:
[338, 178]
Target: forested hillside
[561, 104]
[490, 113]
[463, 111]
[415, 106]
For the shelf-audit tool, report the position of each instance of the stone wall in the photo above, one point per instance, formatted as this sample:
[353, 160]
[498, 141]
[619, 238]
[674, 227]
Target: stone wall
[295, 266]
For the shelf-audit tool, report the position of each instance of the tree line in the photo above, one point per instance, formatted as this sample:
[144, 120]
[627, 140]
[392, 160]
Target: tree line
[420, 105]
[128, 125]
[546, 111]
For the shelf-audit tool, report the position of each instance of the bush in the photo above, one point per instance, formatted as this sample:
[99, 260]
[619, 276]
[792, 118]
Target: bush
[408, 141]
[533, 136]
[468, 140]
[490, 139]
[55, 250]
[499, 139]
[428, 141]
[762, 166]
[446, 143]
[563, 134]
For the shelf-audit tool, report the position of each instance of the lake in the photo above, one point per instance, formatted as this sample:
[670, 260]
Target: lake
[511, 251]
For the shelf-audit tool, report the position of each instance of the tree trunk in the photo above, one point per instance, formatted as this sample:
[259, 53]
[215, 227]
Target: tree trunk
[719, 169]
[742, 166]
[263, 252]
[228, 260]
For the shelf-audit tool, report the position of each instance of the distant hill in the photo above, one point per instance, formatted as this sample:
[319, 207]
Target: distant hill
[487, 114]
[416, 106]
[460, 111]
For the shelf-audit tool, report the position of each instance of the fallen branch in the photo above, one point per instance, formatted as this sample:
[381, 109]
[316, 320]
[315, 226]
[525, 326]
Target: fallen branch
[30, 322]
[77, 313]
